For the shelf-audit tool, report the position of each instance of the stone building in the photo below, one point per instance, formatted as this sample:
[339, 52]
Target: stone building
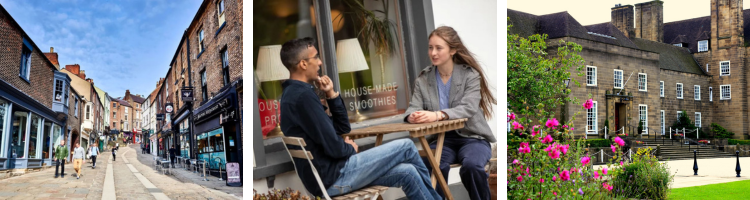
[638, 67]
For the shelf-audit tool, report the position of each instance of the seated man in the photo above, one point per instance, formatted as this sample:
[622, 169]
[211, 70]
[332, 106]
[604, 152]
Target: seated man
[341, 168]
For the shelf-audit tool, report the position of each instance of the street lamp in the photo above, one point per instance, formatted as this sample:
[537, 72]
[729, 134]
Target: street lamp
[567, 83]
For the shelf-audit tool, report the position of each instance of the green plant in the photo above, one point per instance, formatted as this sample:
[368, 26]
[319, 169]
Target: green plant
[375, 30]
[684, 123]
[537, 74]
[644, 178]
[599, 142]
[738, 142]
[720, 131]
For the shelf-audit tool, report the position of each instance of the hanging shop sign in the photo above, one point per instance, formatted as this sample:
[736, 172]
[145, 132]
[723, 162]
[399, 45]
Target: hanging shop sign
[187, 94]
[169, 108]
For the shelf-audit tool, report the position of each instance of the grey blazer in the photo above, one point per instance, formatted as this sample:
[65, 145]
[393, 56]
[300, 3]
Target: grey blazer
[464, 99]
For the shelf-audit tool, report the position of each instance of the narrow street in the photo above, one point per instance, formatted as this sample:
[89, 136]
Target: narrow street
[127, 177]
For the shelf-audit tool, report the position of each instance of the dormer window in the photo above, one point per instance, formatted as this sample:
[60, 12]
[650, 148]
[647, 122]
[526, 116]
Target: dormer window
[702, 45]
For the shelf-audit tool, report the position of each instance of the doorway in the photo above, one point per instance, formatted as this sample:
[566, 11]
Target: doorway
[620, 114]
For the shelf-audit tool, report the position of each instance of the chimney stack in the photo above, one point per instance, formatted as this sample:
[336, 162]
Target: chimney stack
[75, 68]
[82, 74]
[90, 80]
[622, 18]
[127, 93]
[649, 20]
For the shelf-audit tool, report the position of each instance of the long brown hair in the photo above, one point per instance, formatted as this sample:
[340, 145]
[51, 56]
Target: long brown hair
[464, 56]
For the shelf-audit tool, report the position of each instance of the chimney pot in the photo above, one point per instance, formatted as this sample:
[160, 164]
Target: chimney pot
[52, 49]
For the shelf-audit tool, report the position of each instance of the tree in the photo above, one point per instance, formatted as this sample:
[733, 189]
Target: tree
[536, 75]
[683, 121]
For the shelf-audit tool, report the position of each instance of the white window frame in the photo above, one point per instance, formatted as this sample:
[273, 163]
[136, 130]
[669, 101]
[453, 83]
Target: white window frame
[710, 94]
[679, 91]
[643, 115]
[729, 93]
[697, 92]
[594, 111]
[678, 115]
[703, 46]
[661, 88]
[220, 10]
[590, 78]
[662, 122]
[707, 67]
[678, 45]
[644, 82]
[620, 80]
[698, 122]
[728, 67]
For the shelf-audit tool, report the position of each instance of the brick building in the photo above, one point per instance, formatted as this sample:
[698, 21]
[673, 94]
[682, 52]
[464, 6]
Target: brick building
[121, 118]
[136, 102]
[207, 61]
[693, 65]
[33, 94]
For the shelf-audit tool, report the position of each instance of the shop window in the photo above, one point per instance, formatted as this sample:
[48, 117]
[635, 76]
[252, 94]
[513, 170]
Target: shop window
[47, 139]
[371, 72]
[18, 138]
[4, 108]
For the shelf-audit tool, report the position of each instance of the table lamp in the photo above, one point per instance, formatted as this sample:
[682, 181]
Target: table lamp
[270, 68]
[349, 58]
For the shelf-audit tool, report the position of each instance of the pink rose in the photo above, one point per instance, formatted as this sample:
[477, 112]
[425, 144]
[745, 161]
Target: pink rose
[588, 104]
[552, 123]
[517, 126]
[511, 117]
[548, 139]
[614, 148]
[619, 141]
[565, 175]
[585, 160]
[605, 171]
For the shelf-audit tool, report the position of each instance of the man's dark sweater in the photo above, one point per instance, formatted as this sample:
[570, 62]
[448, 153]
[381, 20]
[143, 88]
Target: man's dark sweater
[302, 115]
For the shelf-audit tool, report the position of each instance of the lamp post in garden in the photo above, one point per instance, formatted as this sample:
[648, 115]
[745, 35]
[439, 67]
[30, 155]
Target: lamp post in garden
[563, 110]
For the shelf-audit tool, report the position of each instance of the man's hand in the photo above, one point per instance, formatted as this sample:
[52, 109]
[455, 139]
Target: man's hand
[351, 142]
[325, 84]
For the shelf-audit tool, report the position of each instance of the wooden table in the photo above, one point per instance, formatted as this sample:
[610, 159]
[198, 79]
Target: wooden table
[417, 131]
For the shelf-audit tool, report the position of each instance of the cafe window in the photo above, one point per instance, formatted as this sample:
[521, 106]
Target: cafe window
[35, 129]
[4, 108]
[370, 66]
[46, 139]
[57, 136]
[211, 148]
[18, 137]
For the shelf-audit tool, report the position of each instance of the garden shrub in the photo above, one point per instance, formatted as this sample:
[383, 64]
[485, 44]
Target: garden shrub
[720, 131]
[739, 142]
[599, 142]
[644, 178]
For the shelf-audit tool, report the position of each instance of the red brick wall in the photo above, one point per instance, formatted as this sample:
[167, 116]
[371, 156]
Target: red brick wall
[230, 38]
[41, 78]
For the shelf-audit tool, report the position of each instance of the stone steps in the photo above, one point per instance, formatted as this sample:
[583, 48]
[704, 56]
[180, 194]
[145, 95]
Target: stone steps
[672, 150]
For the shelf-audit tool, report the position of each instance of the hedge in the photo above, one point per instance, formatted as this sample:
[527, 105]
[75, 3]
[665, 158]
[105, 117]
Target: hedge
[599, 142]
[739, 142]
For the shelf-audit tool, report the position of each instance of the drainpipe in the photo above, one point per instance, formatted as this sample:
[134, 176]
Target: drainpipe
[190, 104]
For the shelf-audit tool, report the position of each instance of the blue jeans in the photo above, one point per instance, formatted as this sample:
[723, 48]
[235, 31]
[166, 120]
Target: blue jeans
[473, 154]
[393, 164]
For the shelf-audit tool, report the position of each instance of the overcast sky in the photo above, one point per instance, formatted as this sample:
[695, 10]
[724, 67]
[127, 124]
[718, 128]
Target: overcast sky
[121, 44]
[594, 12]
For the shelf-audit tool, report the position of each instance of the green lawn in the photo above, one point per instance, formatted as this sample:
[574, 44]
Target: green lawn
[731, 190]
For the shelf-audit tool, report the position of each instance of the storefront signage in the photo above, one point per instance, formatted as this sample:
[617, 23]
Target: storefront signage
[187, 94]
[223, 105]
[369, 97]
[169, 108]
[160, 117]
[233, 172]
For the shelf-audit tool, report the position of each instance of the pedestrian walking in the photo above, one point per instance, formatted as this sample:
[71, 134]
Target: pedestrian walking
[172, 155]
[60, 153]
[114, 151]
[78, 154]
[93, 151]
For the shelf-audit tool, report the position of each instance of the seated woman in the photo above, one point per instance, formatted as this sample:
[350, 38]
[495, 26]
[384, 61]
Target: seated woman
[455, 87]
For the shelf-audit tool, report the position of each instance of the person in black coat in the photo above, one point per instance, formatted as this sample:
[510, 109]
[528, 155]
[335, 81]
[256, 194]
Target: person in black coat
[172, 155]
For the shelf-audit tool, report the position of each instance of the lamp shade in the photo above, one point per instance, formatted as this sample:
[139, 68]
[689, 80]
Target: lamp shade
[269, 66]
[349, 56]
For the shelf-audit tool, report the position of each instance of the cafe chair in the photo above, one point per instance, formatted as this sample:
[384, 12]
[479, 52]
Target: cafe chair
[372, 192]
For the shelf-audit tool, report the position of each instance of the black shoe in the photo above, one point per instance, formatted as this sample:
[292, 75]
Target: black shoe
[56, 176]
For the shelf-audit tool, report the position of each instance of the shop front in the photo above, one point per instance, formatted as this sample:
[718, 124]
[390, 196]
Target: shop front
[218, 135]
[28, 131]
[181, 127]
